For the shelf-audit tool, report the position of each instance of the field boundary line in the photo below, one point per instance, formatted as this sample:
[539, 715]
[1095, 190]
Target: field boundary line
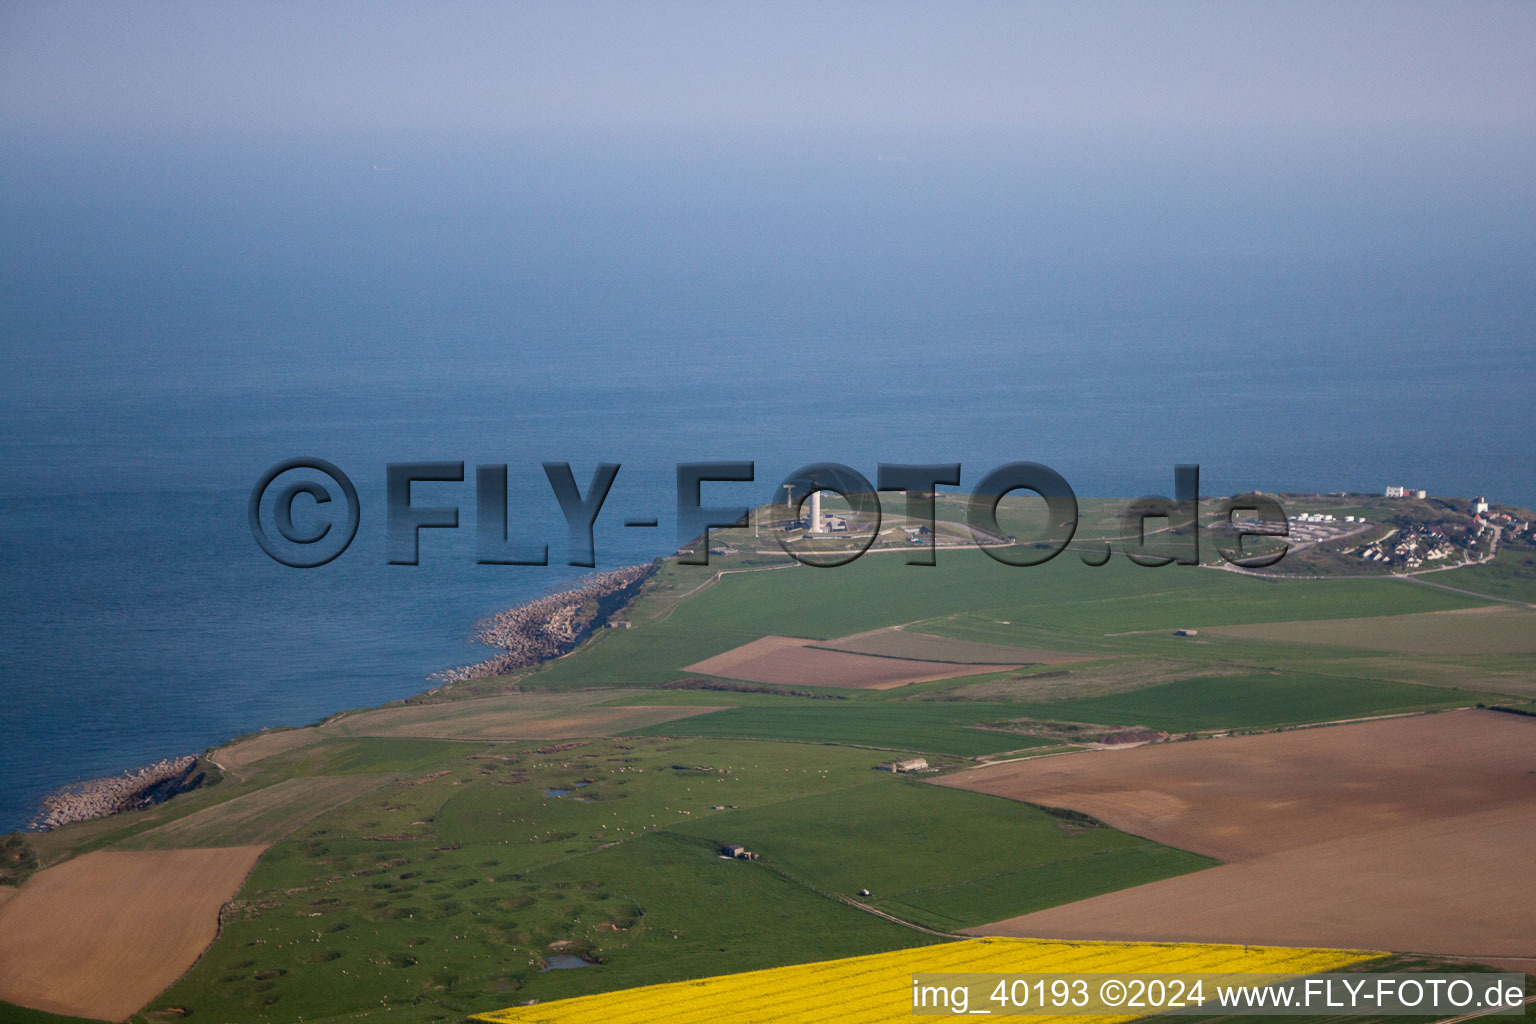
[819, 743]
[1469, 593]
[850, 901]
[218, 928]
[1216, 734]
[839, 898]
[711, 581]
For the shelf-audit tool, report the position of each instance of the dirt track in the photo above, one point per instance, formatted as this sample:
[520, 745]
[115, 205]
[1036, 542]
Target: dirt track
[787, 661]
[240, 755]
[1410, 834]
[103, 934]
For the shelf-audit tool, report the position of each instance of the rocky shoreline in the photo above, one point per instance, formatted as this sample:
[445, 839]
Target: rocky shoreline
[130, 791]
[549, 626]
[535, 631]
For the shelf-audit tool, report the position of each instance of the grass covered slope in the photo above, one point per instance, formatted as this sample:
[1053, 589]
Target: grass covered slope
[942, 862]
[1062, 605]
[925, 728]
[431, 857]
[938, 724]
[452, 886]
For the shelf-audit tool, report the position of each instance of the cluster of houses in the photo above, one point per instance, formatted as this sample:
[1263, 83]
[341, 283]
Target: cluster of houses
[1411, 547]
[1406, 492]
[1515, 530]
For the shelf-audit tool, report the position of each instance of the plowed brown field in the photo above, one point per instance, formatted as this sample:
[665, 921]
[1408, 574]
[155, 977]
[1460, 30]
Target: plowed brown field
[788, 661]
[103, 934]
[1411, 834]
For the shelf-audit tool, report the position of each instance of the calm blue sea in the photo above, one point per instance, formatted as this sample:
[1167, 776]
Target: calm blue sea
[173, 323]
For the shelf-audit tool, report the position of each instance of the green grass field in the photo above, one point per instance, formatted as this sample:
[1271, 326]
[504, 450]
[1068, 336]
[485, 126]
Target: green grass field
[1511, 575]
[441, 894]
[942, 862]
[1063, 605]
[264, 816]
[897, 725]
[10, 1014]
[426, 877]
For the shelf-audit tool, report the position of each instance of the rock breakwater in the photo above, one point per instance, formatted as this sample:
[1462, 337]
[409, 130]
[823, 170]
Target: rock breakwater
[97, 798]
[549, 626]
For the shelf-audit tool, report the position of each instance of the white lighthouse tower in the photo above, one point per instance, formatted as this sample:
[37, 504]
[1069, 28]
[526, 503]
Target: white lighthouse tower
[815, 517]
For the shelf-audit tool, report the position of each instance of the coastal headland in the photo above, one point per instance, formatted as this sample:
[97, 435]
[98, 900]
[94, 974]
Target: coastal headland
[551, 823]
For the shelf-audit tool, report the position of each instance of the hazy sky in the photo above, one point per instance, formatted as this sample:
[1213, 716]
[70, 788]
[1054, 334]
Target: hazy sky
[152, 67]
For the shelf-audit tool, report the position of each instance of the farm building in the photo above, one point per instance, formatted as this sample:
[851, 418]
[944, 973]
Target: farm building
[737, 851]
[1186, 632]
[910, 764]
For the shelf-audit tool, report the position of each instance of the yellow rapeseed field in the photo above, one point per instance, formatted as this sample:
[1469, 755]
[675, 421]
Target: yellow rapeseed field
[878, 989]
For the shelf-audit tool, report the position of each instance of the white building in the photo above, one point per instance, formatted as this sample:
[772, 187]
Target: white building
[1479, 505]
[1396, 492]
[815, 518]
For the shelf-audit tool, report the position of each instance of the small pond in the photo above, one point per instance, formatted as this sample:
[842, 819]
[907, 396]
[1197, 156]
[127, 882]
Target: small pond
[562, 962]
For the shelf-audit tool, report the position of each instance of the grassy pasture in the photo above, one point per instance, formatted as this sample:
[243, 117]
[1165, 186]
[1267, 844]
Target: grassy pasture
[942, 862]
[264, 816]
[1161, 695]
[368, 756]
[1490, 630]
[439, 883]
[1089, 680]
[241, 755]
[513, 717]
[437, 934]
[10, 1013]
[72, 840]
[735, 698]
[473, 871]
[922, 727]
[653, 784]
[440, 894]
[1511, 674]
[899, 643]
[1061, 606]
[1511, 575]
